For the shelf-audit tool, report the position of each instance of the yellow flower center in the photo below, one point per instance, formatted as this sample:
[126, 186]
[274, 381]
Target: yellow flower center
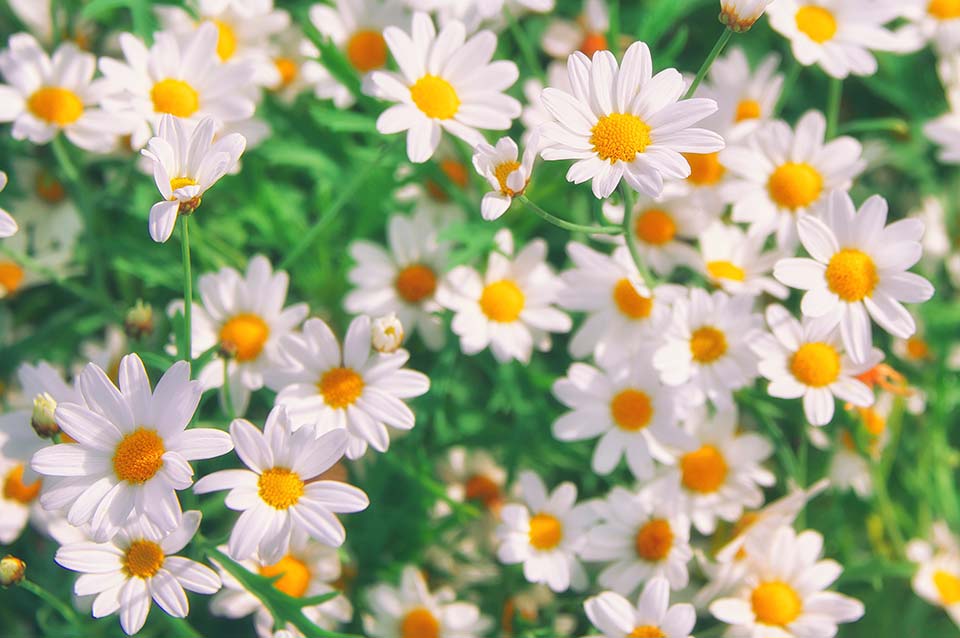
[620, 136]
[49, 189]
[944, 9]
[294, 575]
[456, 172]
[502, 301]
[546, 531]
[416, 283]
[502, 172]
[948, 586]
[873, 422]
[175, 97]
[726, 270]
[707, 344]
[795, 185]
[340, 387]
[138, 456]
[142, 559]
[245, 335]
[280, 488]
[56, 105]
[852, 275]
[367, 50]
[917, 348]
[646, 631]
[705, 168]
[775, 603]
[631, 410]
[654, 540]
[435, 97]
[180, 182]
[287, 69]
[481, 488]
[817, 23]
[419, 623]
[748, 110]
[11, 276]
[816, 364]
[14, 489]
[655, 226]
[226, 40]
[703, 470]
[592, 43]
[631, 303]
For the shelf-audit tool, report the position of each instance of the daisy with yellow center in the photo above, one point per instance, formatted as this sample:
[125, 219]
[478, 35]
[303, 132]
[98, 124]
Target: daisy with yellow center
[857, 270]
[934, 21]
[735, 261]
[473, 476]
[502, 167]
[746, 97]
[588, 34]
[19, 499]
[937, 579]
[652, 617]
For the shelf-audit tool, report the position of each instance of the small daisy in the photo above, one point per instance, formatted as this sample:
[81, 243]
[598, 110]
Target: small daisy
[780, 175]
[474, 476]
[356, 389]
[653, 615]
[412, 611]
[510, 308]
[402, 279]
[19, 500]
[936, 21]
[641, 537]
[132, 448]
[445, 83]
[625, 123]
[500, 165]
[783, 592]
[937, 579]
[136, 566]
[740, 15]
[746, 98]
[735, 261]
[858, 270]
[8, 225]
[280, 494]
[945, 132]
[546, 534]
[587, 35]
[707, 346]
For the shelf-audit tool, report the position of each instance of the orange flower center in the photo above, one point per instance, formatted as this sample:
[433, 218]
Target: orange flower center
[631, 410]
[416, 283]
[340, 387]
[546, 531]
[138, 456]
[654, 540]
[631, 303]
[14, 489]
[703, 470]
[56, 105]
[245, 334]
[705, 168]
[294, 575]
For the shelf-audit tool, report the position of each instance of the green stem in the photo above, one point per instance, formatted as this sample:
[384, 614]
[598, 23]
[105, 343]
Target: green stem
[74, 287]
[62, 608]
[894, 125]
[187, 353]
[705, 67]
[629, 219]
[564, 224]
[833, 106]
[886, 511]
[524, 44]
[227, 399]
[788, 83]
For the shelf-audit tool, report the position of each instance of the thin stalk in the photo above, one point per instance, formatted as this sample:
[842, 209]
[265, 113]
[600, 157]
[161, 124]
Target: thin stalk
[833, 106]
[62, 608]
[894, 125]
[629, 215]
[788, 83]
[705, 67]
[524, 44]
[227, 399]
[187, 353]
[564, 224]
[885, 508]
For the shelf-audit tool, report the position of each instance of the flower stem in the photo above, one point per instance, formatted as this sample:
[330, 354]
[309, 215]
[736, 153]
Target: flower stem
[894, 125]
[629, 215]
[789, 83]
[227, 399]
[62, 608]
[187, 353]
[562, 223]
[523, 43]
[833, 106]
[886, 511]
[705, 67]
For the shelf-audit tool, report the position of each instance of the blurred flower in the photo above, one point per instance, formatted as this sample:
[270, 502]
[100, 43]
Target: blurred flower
[653, 615]
[12, 570]
[138, 322]
[8, 225]
[587, 35]
[509, 177]
[534, 112]
[386, 334]
[944, 131]
[735, 261]
[937, 579]
[746, 98]
[18, 500]
[473, 476]
[848, 469]
[931, 20]
[740, 15]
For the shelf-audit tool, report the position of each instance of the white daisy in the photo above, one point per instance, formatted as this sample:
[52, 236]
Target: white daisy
[783, 592]
[503, 168]
[588, 34]
[280, 494]
[534, 112]
[848, 469]
[625, 123]
[510, 308]
[740, 15]
[858, 270]
[546, 534]
[944, 131]
[736, 262]
[473, 476]
[445, 83]
[8, 225]
[780, 175]
[936, 21]
[18, 500]
[136, 566]
[386, 333]
[653, 615]
[132, 448]
[937, 579]
[746, 98]
[356, 389]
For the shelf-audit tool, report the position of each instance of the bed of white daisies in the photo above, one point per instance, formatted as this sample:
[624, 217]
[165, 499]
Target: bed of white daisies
[474, 318]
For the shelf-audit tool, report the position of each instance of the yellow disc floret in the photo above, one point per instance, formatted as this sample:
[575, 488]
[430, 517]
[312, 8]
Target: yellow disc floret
[748, 110]
[502, 301]
[226, 40]
[703, 470]
[655, 226]
[631, 409]
[294, 575]
[654, 540]
[944, 9]
[948, 586]
[419, 623]
[502, 172]
[56, 105]
[546, 531]
[287, 69]
[143, 559]
[14, 489]
[415, 283]
[707, 344]
[705, 168]
[340, 387]
[367, 50]
[816, 364]
[138, 456]
[726, 270]
[631, 303]
[11, 276]
[852, 275]
[817, 23]
[245, 335]
[795, 185]
[280, 488]
[435, 97]
[175, 97]
[775, 603]
[619, 137]
[646, 631]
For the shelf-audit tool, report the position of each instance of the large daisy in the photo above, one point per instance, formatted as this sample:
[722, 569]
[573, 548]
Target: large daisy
[653, 614]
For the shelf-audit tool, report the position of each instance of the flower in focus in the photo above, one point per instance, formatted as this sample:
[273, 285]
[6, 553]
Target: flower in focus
[653, 615]
[587, 35]
[740, 15]
[735, 261]
[8, 225]
[500, 165]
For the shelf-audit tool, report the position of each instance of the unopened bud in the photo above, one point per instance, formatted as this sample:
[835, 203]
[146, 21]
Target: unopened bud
[12, 570]
[139, 321]
[43, 420]
[387, 333]
[740, 15]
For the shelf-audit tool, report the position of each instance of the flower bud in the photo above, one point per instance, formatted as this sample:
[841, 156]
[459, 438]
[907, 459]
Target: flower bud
[43, 420]
[12, 570]
[139, 321]
[387, 333]
[740, 15]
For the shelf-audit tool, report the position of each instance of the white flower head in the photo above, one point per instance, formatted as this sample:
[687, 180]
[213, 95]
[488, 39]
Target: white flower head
[936, 21]
[18, 501]
[944, 131]
[736, 262]
[8, 225]
[740, 15]
[746, 98]
[506, 171]
[653, 614]
[937, 579]
[588, 34]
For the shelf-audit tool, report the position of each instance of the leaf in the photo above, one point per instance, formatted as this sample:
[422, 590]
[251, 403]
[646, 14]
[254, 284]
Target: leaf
[340, 121]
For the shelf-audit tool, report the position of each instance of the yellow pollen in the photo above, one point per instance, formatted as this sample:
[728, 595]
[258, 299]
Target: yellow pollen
[294, 575]
[56, 105]
[14, 489]
[726, 270]
[280, 488]
[654, 540]
[775, 603]
[483, 489]
[287, 69]
[748, 110]
[419, 623]
[944, 9]
[917, 348]
[502, 301]
[795, 185]
[11, 276]
[852, 275]
[655, 226]
[340, 387]
[620, 136]
[245, 335]
[948, 586]
[705, 168]
[631, 410]
[592, 43]
[180, 182]
[703, 470]
[49, 189]
[367, 50]
[175, 97]
[435, 97]
[816, 364]
[502, 172]
[707, 344]
[646, 631]
[630, 302]
[226, 40]
[546, 531]
[138, 456]
[817, 23]
[416, 283]
[143, 559]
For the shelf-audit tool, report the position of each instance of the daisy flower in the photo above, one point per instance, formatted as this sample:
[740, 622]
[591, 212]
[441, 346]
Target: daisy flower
[741, 15]
[783, 592]
[931, 20]
[444, 83]
[45, 96]
[849, 470]
[735, 261]
[411, 610]
[402, 279]
[546, 534]
[138, 565]
[780, 174]
[503, 168]
[534, 112]
[587, 35]
[653, 614]
[356, 389]
[184, 167]
[132, 448]
[8, 225]
[473, 476]
[937, 579]
[625, 405]
[707, 346]
[945, 132]
[746, 98]
[280, 494]
[625, 123]
[641, 537]
[858, 270]
[18, 500]
[510, 308]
